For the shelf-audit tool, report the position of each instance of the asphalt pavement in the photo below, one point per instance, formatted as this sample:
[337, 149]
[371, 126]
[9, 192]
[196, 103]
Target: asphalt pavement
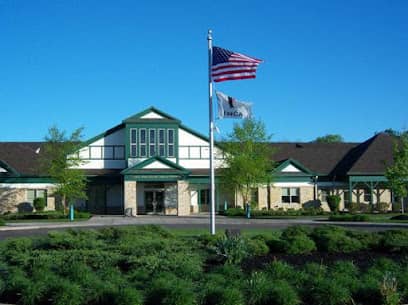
[17, 229]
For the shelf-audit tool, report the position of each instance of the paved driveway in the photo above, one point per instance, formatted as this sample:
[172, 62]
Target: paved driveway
[190, 222]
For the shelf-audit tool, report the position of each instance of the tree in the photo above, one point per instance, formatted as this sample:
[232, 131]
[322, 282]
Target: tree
[397, 174]
[329, 138]
[248, 158]
[60, 161]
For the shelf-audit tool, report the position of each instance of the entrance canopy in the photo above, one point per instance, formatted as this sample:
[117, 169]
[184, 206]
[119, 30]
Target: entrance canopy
[155, 169]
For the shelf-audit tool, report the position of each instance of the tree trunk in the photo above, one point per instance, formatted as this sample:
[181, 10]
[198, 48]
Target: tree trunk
[64, 204]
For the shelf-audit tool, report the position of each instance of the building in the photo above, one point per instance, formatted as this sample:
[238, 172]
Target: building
[152, 163]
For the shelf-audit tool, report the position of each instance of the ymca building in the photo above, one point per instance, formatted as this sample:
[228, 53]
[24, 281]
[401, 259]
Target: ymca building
[151, 163]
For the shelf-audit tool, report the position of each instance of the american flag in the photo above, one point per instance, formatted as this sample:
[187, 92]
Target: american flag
[228, 65]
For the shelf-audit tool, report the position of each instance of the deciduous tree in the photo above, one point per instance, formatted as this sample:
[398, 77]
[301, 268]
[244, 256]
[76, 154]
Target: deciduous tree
[248, 158]
[397, 174]
[60, 161]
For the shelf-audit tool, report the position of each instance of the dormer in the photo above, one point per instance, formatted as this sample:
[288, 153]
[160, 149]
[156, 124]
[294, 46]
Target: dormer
[149, 134]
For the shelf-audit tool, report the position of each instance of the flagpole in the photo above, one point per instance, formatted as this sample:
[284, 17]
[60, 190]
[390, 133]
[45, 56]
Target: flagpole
[211, 131]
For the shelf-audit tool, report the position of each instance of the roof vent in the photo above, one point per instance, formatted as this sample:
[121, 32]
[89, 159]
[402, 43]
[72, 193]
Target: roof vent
[299, 145]
[37, 151]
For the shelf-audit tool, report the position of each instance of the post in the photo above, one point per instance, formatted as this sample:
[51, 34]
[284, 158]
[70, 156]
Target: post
[71, 212]
[211, 132]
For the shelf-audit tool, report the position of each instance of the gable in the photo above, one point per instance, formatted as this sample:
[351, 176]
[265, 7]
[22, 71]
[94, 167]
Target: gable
[156, 165]
[152, 115]
[290, 168]
[3, 170]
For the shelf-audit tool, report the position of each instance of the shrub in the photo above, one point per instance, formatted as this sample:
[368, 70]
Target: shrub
[388, 290]
[39, 204]
[333, 201]
[282, 293]
[222, 294]
[2, 222]
[335, 239]
[400, 217]
[295, 240]
[329, 291]
[350, 217]
[257, 246]
[231, 249]
[278, 270]
[382, 207]
[258, 288]
[235, 212]
[167, 289]
[395, 240]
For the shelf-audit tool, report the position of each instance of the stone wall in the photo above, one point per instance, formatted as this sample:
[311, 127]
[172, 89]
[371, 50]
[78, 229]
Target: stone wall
[15, 199]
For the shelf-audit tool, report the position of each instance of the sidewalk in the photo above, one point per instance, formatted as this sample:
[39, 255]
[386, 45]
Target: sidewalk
[189, 221]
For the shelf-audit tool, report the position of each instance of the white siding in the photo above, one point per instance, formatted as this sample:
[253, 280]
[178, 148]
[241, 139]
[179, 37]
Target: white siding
[152, 115]
[116, 138]
[186, 138]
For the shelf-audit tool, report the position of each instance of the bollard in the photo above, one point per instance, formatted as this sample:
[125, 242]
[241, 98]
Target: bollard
[71, 212]
[248, 210]
[225, 205]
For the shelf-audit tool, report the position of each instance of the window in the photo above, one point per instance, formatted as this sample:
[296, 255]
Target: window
[32, 194]
[367, 195]
[290, 195]
[162, 143]
[170, 143]
[133, 142]
[152, 142]
[142, 143]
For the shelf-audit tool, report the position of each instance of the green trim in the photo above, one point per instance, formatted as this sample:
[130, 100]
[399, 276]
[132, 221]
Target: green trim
[367, 179]
[102, 135]
[9, 169]
[26, 180]
[138, 115]
[295, 163]
[292, 179]
[365, 174]
[153, 178]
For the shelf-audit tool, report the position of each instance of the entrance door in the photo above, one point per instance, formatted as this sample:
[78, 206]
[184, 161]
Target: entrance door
[154, 202]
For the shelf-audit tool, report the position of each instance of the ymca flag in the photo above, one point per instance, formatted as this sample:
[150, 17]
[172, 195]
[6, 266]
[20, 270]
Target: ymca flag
[229, 107]
[228, 65]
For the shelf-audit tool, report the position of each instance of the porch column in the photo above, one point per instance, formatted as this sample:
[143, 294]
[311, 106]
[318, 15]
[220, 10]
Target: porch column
[130, 204]
[183, 198]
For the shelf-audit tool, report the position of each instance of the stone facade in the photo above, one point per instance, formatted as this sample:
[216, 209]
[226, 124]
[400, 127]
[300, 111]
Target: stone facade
[130, 202]
[183, 198]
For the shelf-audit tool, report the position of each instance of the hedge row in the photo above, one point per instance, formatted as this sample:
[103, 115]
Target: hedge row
[44, 215]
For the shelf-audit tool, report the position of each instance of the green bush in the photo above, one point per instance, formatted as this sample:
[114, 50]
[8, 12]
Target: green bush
[282, 293]
[278, 270]
[333, 201]
[167, 289]
[231, 249]
[350, 217]
[400, 217]
[39, 204]
[2, 222]
[353, 207]
[334, 239]
[44, 215]
[295, 240]
[395, 240]
[235, 212]
[329, 291]
[382, 207]
[257, 246]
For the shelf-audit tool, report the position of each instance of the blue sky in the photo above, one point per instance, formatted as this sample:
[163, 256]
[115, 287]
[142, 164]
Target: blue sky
[330, 66]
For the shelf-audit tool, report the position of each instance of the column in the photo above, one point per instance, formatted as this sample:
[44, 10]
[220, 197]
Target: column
[183, 198]
[130, 203]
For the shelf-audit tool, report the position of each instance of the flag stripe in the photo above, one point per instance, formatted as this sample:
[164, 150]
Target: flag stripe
[228, 65]
[225, 78]
[238, 71]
